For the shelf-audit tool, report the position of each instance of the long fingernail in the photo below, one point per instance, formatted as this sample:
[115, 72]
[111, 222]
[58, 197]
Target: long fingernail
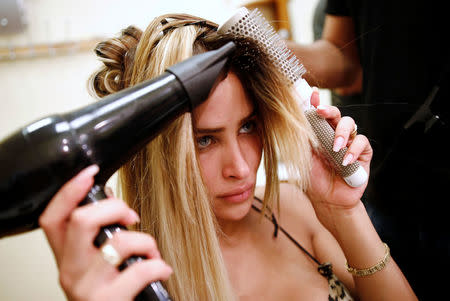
[338, 143]
[322, 107]
[91, 170]
[135, 216]
[109, 192]
[166, 269]
[347, 159]
[169, 269]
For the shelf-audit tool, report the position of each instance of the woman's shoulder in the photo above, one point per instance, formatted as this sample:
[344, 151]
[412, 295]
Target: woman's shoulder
[295, 211]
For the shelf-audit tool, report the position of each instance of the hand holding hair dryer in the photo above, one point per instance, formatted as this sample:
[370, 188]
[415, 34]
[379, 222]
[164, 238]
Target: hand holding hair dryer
[40, 157]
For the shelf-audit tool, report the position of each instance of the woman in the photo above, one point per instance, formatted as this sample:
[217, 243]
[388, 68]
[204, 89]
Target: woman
[193, 190]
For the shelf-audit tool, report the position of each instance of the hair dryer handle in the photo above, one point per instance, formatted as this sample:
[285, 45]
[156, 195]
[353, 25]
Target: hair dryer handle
[155, 291]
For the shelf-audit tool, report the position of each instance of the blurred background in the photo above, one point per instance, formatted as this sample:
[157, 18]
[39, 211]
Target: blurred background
[45, 60]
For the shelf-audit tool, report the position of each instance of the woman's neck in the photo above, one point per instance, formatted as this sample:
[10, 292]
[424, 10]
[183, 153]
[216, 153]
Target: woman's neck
[236, 233]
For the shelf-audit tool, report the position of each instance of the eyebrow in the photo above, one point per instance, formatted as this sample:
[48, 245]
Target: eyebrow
[220, 129]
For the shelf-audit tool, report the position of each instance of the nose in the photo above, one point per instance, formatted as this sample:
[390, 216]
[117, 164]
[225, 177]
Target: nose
[235, 164]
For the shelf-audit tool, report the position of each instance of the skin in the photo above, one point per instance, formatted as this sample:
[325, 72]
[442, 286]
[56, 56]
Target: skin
[333, 62]
[229, 148]
[230, 151]
[70, 231]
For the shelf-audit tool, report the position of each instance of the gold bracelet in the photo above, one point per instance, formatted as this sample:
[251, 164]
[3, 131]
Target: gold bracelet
[373, 269]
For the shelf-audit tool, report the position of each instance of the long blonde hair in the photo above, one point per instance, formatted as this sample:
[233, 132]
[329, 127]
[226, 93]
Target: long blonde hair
[163, 181]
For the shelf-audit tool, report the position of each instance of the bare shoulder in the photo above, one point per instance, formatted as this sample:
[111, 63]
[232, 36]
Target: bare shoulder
[296, 211]
[294, 204]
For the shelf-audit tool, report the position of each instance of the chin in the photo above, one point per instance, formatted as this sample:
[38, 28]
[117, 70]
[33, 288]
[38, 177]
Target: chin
[234, 211]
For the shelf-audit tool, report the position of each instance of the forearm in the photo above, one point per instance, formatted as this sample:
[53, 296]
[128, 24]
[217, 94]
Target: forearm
[327, 66]
[363, 248]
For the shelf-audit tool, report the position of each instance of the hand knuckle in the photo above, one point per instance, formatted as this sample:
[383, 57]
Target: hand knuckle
[147, 268]
[79, 219]
[65, 281]
[363, 139]
[44, 222]
[118, 239]
[116, 204]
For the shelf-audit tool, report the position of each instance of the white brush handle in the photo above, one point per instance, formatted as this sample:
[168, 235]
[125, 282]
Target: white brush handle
[353, 174]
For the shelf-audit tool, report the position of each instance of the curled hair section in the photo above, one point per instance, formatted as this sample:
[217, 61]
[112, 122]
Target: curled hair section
[117, 56]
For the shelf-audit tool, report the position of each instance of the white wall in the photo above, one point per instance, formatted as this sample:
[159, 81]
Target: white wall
[32, 88]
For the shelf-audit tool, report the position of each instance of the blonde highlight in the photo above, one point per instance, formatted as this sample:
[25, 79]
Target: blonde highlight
[163, 182]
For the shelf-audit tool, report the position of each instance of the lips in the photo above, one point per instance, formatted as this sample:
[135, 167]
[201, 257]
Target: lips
[238, 195]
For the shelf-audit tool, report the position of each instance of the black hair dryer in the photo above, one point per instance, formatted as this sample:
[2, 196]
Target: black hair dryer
[40, 157]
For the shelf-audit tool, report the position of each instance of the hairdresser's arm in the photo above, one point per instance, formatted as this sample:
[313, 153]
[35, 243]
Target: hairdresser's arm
[340, 210]
[70, 230]
[332, 61]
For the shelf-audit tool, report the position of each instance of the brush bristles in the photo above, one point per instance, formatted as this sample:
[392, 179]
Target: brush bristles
[253, 25]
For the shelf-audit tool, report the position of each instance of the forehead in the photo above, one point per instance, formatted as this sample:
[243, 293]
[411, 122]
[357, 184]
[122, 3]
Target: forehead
[228, 103]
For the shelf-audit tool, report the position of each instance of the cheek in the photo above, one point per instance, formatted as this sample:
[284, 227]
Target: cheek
[210, 161]
[209, 166]
[252, 148]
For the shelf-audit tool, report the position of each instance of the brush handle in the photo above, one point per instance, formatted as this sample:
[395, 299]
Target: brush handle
[353, 174]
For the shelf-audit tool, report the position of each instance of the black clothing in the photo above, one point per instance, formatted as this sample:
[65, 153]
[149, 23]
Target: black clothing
[404, 55]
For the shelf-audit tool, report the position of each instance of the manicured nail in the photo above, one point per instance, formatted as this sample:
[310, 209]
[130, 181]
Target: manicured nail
[338, 143]
[169, 269]
[322, 107]
[347, 159]
[109, 192]
[135, 216]
[91, 170]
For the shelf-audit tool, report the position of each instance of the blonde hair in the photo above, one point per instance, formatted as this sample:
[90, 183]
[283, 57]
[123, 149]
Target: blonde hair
[163, 182]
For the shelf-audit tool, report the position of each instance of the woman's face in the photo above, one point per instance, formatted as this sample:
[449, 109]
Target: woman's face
[229, 148]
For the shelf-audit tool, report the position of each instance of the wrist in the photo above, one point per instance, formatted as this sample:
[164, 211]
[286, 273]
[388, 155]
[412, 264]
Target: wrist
[332, 216]
[357, 236]
[363, 272]
[346, 218]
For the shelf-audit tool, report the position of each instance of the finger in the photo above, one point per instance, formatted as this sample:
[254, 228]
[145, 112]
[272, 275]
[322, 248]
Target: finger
[104, 262]
[88, 282]
[128, 243]
[315, 97]
[342, 132]
[53, 219]
[357, 150]
[109, 192]
[135, 278]
[86, 221]
[330, 113]
[79, 273]
[102, 272]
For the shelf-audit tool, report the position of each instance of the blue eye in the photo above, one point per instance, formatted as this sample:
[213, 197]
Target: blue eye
[204, 141]
[248, 127]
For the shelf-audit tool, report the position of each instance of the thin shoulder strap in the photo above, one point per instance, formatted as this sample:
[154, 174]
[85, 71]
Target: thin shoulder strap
[277, 226]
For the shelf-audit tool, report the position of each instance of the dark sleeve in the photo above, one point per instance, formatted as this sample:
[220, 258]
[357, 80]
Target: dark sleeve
[337, 7]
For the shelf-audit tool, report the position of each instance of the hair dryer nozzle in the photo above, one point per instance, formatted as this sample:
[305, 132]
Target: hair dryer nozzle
[198, 81]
